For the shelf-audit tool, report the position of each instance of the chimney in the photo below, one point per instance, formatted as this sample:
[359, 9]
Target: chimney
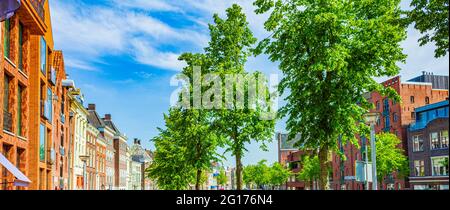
[108, 117]
[91, 107]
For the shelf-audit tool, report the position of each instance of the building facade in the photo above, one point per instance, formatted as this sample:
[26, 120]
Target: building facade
[120, 155]
[42, 104]
[101, 163]
[106, 138]
[60, 125]
[428, 147]
[79, 155]
[91, 152]
[16, 64]
[285, 148]
[395, 118]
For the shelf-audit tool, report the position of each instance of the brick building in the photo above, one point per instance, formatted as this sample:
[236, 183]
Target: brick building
[100, 163]
[91, 151]
[42, 83]
[61, 125]
[16, 63]
[120, 156]
[285, 148]
[428, 146]
[294, 163]
[107, 136]
[395, 118]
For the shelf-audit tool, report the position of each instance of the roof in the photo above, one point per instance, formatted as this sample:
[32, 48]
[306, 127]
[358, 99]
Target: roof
[432, 106]
[111, 124]
[437, 81]
[95, 119]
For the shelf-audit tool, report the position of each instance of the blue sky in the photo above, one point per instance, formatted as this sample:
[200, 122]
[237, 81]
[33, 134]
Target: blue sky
[123, 53]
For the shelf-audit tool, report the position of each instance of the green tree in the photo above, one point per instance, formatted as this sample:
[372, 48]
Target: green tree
[248, 175]
[278, 175]
[228, 50]
[330, 51]
[197, 133]
[310, 170]
[431, 18]
[222, 178]
[390, 158]
[170, 168]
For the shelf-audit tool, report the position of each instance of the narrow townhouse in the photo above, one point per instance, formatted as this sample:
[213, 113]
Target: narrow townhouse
[61, 108]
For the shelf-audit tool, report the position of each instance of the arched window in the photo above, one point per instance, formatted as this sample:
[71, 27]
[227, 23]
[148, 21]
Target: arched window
[427, 100]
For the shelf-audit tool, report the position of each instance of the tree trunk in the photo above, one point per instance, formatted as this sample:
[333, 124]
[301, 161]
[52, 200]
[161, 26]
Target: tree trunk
[238, 171]
[199, 177]
[324, 159]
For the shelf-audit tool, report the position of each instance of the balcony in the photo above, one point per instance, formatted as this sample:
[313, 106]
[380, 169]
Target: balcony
[32, 15]
[7, 121]
[38, 6]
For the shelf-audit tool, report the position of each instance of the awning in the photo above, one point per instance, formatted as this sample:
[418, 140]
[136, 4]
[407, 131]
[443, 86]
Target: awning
[21, 180]
[7, 8]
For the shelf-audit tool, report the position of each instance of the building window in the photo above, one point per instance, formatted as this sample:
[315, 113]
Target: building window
[378, 105]
[20, 46]
[7, 115]
[395, 117]
[427, 100]
[386, 105]
[444, 139]
[411, 99]
[413, 115]
[417, 143]
[434, 141]
[387, 122]
[20, 95]
[6, 39]
[439, 166]
[42, 142]
[6, 93]
[43, 56]
[419, 168]
[50, 105]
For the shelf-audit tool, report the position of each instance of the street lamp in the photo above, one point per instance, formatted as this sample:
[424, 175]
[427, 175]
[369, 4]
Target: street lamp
[84, 158]
[372, 119]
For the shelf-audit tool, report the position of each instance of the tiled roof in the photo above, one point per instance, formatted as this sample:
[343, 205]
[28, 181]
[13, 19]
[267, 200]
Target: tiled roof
[95, 119]
[111, 124]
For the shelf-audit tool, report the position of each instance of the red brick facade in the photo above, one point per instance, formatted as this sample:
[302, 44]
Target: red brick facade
[399, 116]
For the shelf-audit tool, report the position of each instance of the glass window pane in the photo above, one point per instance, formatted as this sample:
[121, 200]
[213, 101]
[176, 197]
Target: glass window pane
[43, 56]
[42, 143]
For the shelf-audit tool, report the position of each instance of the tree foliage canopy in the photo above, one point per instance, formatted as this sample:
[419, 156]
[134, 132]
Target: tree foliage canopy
[390, 158]
[430, 17]
[310, 169]
[330, 51]
[229, 48]
[261, 175]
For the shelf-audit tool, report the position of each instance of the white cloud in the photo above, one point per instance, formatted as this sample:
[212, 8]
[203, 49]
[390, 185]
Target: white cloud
[77, 64]
[144, 53]
[88, 33]
[149, 5]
